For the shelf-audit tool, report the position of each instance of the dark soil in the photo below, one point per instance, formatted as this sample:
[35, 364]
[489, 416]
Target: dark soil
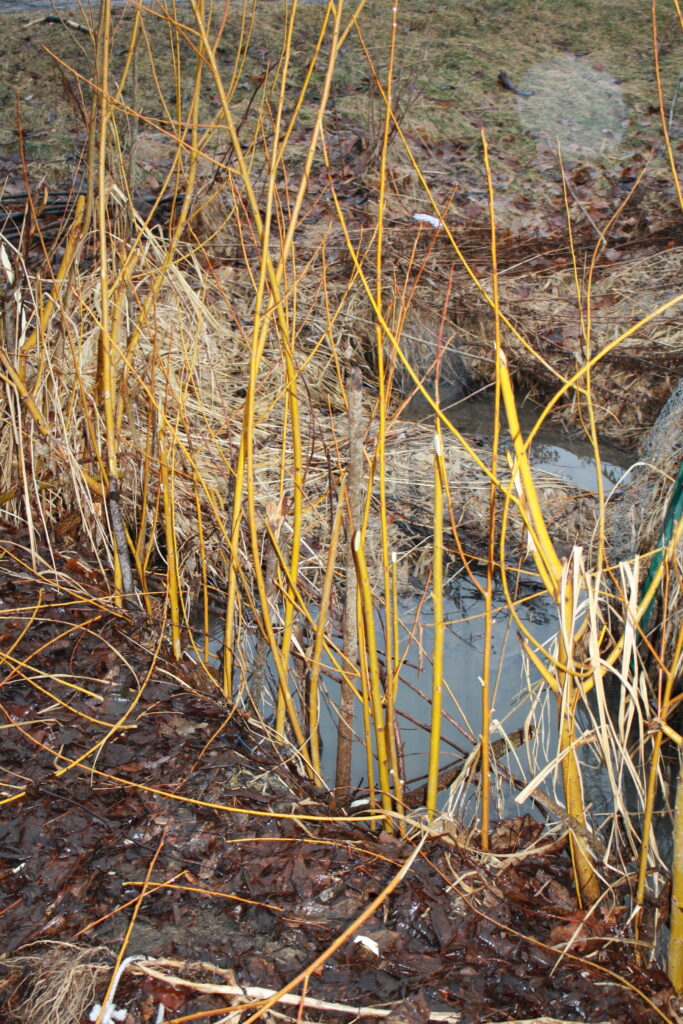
[114, 758]
[91, 799]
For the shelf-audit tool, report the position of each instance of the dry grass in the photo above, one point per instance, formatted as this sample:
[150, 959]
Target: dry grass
[196, 383]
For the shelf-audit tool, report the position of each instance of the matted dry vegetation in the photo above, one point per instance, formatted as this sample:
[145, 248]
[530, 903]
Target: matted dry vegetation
[181, 369]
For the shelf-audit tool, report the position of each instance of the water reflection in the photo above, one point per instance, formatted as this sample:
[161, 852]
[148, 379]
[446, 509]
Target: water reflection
[555, 449]
[512, 702]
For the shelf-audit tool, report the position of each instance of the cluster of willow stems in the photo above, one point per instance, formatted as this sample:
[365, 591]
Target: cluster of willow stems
[269, 191]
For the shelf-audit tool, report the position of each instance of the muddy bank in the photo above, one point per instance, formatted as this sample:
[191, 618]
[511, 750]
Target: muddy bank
[448, 331]
[432, 304]
[143, 778]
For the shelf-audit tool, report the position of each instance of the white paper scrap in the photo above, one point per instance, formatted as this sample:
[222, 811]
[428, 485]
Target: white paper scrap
[368, 943]
[427, 218]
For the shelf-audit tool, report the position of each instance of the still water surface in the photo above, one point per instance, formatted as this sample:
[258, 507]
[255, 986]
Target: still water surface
[569, 457]
[512, 700]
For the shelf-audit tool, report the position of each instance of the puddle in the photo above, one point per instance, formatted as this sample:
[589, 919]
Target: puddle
[461, 723]
[555, 450]
[511, 700]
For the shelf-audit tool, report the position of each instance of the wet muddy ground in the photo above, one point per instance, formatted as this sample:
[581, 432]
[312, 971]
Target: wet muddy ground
[117, 770]
[119, 767]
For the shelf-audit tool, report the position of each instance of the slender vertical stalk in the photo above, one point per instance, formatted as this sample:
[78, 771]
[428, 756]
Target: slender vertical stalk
[365, 704]
[297, 509]
[485, 772]
[203, 561]
[108, 389]
[376, 701]
[587, 884]
[172, 574]
[675, 960]
[437, 654]
[393, 731]
[383, 396]
[354, 493]
[316, 655]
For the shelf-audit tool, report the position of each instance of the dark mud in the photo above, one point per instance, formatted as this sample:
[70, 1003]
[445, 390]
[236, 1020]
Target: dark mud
[189, 785]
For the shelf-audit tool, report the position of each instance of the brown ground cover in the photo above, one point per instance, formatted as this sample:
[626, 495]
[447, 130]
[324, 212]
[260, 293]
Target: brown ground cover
[244, 871]
[171, 776]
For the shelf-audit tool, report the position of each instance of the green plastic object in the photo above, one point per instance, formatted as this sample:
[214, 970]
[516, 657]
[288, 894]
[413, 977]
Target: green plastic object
[673, 514]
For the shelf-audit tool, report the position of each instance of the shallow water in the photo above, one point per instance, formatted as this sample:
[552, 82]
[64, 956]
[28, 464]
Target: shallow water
[554, 450]
[512, 702]
[572, 459]
[461, 721]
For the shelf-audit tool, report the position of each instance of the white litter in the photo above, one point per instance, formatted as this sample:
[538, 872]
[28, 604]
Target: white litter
[113, 1016]
[109, 1014]
[427, 218]
[368, 943]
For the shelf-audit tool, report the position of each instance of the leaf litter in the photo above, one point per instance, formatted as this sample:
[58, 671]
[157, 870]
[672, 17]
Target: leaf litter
[253, 875]
[242, 895]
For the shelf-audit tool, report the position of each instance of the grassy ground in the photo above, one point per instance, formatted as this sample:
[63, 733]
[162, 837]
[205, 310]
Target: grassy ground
[448, 61]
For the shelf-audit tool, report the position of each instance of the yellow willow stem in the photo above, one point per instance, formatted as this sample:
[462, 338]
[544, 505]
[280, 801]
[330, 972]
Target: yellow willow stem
[203, 559]
[395, 754]
[29, 402]
[172, 575]
[587, 885]
[231, 595]
[437, 656]
[297, 510]
[381, 373]
[351, 620]
[366, 701]
[548, 564]
[65, 265]
[373, 674]
[292, 404]
[675, 960]
[394, 619]
[106, 355]
[316, 656]
[490, 563]
[485, 769]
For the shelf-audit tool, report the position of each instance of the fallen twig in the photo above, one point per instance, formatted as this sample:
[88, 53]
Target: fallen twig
[255, 993]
